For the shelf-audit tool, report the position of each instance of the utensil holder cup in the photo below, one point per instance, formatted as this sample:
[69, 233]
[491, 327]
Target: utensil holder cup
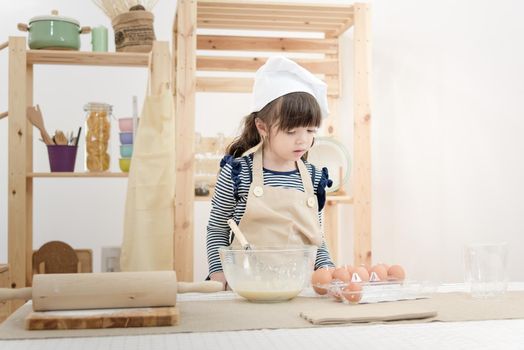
[62, 158]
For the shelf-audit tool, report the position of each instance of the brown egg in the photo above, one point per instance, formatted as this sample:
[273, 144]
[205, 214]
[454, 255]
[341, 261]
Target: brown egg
[396, 272]
[341, 274]
[362, 273]
[321, 277]
[378, 273]
[353, 292]
[350, 269]
[386, 266]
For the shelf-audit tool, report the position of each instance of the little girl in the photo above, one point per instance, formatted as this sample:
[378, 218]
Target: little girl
[265, 184]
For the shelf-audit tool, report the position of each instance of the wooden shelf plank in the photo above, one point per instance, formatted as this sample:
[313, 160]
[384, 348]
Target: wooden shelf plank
[251, 64]
[244, 85]
[275, 21]
[77, 174]
[258, 43]
[235, 14]
[273, 5]
[266, 26]
[332, 199]
[271, 15]
[86, 58]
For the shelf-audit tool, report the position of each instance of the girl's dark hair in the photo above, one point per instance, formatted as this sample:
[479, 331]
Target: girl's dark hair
[296, 109]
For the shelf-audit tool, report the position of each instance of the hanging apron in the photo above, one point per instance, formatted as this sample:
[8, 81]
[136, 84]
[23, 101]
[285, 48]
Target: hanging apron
[280, 216]
[149, 211]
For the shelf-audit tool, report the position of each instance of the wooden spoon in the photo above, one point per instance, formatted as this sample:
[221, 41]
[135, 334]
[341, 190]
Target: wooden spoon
[238, 234]
[60, 138]
[35, 117]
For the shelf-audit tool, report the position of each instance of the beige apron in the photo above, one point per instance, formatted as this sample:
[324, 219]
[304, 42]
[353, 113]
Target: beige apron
[280, 216]
[149, 211]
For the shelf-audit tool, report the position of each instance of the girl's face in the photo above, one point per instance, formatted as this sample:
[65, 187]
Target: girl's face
[290, 145]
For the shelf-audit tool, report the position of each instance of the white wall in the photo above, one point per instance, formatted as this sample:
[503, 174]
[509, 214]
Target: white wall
[445, 133]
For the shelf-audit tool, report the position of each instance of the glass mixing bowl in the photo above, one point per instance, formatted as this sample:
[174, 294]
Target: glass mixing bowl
[269, 273]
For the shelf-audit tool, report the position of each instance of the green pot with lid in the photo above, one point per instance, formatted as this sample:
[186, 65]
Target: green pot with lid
[53, 32]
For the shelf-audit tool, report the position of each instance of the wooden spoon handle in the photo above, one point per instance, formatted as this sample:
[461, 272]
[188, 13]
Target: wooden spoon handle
[238, 234]
[45, 136]
[20, 293]
[201, 287]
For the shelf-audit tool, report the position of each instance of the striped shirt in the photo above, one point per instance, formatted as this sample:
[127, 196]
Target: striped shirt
[229, 201]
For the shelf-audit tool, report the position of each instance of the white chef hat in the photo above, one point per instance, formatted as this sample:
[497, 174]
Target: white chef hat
[280, 76]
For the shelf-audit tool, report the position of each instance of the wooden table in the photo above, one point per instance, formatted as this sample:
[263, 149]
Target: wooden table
[493, 334]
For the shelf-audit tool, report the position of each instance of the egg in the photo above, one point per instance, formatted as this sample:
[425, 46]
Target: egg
[353, 292]
[386, 266]
[341, 274]
[321, 277]
[378, 273]
[350, 269]
[396, 272]
[362, 273]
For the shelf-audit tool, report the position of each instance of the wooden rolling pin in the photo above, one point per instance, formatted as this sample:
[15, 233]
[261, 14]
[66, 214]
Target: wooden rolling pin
[73, 291]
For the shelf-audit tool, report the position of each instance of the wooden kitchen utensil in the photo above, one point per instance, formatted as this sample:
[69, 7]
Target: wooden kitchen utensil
[35, 117]
[106, 290]
[60, 138]
[238, 234]
[106, 318]
[56, 257]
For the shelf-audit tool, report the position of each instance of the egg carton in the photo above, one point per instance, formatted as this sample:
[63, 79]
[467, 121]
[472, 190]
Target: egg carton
[378, 292]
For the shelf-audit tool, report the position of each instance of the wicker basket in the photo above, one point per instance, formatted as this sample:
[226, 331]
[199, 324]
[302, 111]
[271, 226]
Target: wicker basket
[134, 31]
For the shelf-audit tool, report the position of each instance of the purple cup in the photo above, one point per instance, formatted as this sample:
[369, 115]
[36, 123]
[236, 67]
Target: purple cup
[62, 158]
[126, 138]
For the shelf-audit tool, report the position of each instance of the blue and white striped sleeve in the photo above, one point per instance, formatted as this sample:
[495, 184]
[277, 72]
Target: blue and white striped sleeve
[222, 208]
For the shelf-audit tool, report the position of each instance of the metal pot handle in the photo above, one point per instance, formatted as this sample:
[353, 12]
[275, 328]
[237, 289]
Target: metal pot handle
[85, 30]
[23, 27]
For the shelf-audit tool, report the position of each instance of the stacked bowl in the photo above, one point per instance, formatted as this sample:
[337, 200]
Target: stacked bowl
[126, 143]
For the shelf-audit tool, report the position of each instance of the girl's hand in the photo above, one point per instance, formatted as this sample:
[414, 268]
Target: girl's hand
[220, 277]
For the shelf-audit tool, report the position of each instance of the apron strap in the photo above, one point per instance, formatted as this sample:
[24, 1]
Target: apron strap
[252, 149]
[306, 178]
[258, 172]
[258, 175]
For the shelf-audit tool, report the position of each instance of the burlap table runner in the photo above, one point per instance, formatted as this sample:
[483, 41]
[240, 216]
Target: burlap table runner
[238, 314]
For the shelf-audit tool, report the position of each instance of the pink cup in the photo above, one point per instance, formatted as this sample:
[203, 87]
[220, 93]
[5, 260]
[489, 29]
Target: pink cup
[126, 124]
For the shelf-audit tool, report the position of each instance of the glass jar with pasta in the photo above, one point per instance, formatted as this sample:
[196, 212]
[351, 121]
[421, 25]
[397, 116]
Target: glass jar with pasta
[97, 131]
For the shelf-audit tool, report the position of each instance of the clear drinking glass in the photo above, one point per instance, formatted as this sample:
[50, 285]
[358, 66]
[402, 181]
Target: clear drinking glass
[486, 269]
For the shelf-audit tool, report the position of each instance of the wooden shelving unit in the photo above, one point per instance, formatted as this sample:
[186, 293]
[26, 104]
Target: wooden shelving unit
[329, 199]
[86, 174]
[79, 58]
[329, 20]
[20, 134]
[234, 53]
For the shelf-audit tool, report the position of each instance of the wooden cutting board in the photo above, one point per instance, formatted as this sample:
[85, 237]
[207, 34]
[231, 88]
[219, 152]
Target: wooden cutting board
[102, 318]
